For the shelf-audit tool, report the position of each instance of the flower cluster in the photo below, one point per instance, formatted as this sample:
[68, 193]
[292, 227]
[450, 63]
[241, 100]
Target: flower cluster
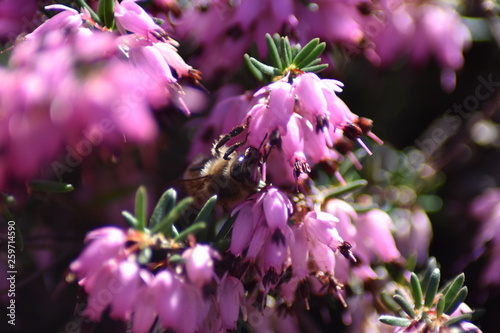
[304, 122]
[410, 30]
[383, 31]
[111, 275]
[290, 250]
[71, 83]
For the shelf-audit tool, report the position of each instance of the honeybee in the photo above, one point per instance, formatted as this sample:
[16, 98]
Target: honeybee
[232, 176]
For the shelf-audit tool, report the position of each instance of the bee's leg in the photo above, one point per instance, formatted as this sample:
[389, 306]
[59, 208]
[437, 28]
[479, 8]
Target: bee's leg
[223, 139]
[230, 150]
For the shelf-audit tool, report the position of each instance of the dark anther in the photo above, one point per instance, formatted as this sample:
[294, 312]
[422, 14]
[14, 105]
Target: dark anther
[270, 277]
[300, 167]
[278, 237]
[195, 75]
[328, 166]
[287, 275]
[321, 122]
[275, 139]
[344, 145]
[352, 131]
[345, 250]
[160, 34]
[364, 124]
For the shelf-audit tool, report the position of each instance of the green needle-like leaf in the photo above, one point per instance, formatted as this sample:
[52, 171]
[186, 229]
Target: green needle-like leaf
[277, 43]
[273, 52]
[295, 50]
[405, 305]
[254, 70]
[106, 12]
[305, 51]
[348, 188]
[431, 265]
[451, 290]
[395, 321]
[315, 53]
[268, 70]
[141, 204]
[224, 231]
[416, 290]
[313, 63]
[176, 259]
[166, 224]
[206, 211]
[315, 69]
[458, 319]
[411, 262]
[440, 308]
[93, 14]
[287, 51]
[461, 296]
[206, 215]
[130, 219]
[50, 186]
[389, 302]
[164, 205]
[432, 288]
[191, 230]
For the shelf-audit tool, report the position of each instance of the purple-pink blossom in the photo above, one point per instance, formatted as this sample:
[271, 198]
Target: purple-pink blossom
[369, 234]
[69, 87]
[486, 210]
[131, 17]
[262, 227]
[104, 244]
[199, 264]
[230, 297]
[374, 231]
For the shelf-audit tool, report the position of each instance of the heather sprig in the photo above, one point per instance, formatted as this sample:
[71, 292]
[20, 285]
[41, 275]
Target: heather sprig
[153, 261]
[286, 59]
[49, 186]
[167, 211]
[421, 306]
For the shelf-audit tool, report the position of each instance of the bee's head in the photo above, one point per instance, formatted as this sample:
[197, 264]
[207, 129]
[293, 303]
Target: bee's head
[246, 168]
